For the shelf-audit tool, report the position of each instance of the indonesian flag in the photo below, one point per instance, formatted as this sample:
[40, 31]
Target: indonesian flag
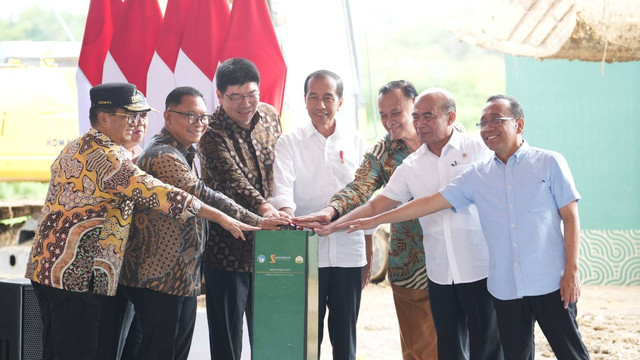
[95, 44]
[200, 48]
[133, 43]
[250, 34]
[160, 78]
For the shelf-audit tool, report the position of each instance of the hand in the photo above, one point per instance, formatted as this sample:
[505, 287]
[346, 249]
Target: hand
[570, 287]
[284, 215]
[236, 227]
[325, 230]
[359, 224]
[273, 223]
[268, 211]
[366, 274]
[317, 219]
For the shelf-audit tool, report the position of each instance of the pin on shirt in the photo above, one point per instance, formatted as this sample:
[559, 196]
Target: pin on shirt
[341, 157]
[464, 156]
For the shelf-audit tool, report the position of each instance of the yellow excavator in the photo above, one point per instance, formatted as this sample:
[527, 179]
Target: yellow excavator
[38, 106]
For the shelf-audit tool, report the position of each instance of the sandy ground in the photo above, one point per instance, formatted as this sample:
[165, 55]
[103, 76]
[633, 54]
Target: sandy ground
[608, 316]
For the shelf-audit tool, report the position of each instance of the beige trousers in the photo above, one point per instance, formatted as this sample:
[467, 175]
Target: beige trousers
[417, 333]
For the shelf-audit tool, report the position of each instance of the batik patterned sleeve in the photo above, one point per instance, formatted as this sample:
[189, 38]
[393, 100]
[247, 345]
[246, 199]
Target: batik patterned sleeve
[220, 170]
[368, 178]
[118, 175]
[169, 166]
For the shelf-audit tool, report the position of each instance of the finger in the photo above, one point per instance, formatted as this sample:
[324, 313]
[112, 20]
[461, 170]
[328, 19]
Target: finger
[280, 221]
[246, 227]
[321, 232]
[347, 224]
[353, 228]
[306, 218]
[310, 225]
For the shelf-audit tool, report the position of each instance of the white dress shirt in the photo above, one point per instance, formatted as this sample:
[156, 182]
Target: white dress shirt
[455, 249]
[308, 169]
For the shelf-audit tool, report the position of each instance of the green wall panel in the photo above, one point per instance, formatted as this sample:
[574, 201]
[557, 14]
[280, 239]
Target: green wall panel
[594, 121]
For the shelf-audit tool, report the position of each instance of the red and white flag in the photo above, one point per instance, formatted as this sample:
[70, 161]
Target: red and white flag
[250, 34]
[200, 48]
[95, 44]
[133, 43]
[160, 77]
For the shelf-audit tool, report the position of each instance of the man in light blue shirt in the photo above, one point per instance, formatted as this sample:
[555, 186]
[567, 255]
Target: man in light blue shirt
[526, 200]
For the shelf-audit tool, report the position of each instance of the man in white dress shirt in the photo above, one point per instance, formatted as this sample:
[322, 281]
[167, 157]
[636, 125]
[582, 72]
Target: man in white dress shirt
[457, 258]
[311, 164]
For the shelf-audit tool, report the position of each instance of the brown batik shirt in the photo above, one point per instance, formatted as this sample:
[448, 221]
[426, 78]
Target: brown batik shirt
[239, 163]
[164, 254]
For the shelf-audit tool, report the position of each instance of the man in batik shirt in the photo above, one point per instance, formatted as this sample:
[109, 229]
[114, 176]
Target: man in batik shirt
[161, 270]
[236, 154]
[406, 265]
[76, 257]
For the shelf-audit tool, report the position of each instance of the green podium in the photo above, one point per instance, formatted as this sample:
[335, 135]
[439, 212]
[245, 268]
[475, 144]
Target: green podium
[285, 295]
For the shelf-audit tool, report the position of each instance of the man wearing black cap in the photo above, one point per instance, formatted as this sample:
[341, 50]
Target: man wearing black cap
[77, 253]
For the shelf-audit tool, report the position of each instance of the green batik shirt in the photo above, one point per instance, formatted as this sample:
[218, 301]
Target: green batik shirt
[406, 265]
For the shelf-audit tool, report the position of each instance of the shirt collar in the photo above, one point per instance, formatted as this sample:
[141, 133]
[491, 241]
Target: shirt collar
[100, 135]
[309, 130]
[518, 155]
[169, 139]
[396, 144]
[454, 142]
[522, 151]
[228, 123]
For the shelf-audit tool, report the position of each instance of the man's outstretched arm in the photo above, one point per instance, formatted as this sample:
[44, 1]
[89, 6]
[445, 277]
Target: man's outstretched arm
[378, 205]
[411, 210]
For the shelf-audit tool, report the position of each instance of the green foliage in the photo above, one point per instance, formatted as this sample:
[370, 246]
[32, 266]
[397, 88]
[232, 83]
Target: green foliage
[23, 190]
[41, 24]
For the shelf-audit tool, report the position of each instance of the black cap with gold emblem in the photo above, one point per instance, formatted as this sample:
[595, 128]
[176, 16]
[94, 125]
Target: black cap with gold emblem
[118, 95]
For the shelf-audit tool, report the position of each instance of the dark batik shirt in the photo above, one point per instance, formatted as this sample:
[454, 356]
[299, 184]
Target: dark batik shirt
[164, 254]
[406, 266]
[239, 163]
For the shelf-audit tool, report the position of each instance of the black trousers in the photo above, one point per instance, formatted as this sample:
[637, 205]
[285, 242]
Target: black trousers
[167, 322]
[78, 325]
[339, 290]
[228, 299]
[516, 319]
[131, 335]
[461, 312]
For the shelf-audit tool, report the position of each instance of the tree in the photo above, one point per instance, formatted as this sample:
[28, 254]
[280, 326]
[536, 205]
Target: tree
[40, 24]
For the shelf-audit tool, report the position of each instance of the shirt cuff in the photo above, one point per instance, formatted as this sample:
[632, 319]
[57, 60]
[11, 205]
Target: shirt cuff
[282, 201]
[193, 209]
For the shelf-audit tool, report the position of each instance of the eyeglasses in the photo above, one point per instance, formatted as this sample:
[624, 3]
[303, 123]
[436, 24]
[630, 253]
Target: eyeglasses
[494, 122]
[134, 118]
[237, 98]
[193, 119]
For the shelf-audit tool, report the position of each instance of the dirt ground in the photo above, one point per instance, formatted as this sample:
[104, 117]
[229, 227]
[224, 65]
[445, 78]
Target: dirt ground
[608, 316]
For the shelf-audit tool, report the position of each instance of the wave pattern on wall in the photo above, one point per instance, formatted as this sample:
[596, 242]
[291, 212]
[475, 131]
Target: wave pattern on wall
[610, 257]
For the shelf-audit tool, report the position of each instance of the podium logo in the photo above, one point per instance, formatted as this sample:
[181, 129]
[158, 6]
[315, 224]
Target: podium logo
[275, 258]
[299, 259]
[261, 259]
